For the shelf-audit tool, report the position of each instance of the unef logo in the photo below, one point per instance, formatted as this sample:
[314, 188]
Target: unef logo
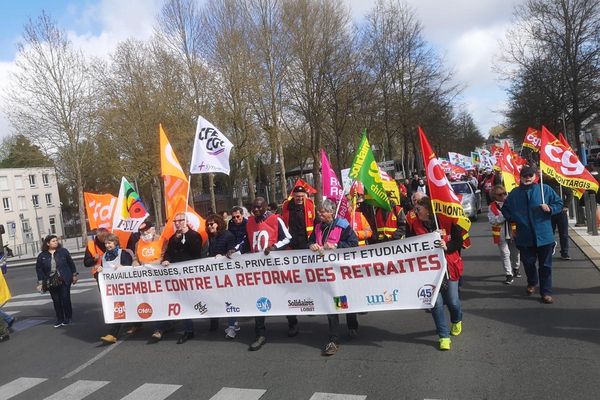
[119, 309]
[341, 302]
[144, 310]
[263, 304]
[385, 298]
[425, 293]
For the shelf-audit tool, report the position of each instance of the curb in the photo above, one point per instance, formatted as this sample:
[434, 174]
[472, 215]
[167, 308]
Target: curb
[587, 249]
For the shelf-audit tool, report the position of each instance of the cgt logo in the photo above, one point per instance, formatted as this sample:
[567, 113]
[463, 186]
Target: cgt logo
[341, 302]
[144, 310]
[119, 309]
[230, 308]
[263, 304]
[425, 293]
[385, 298]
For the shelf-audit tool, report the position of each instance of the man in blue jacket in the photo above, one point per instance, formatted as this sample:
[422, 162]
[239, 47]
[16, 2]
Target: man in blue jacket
[531, 207]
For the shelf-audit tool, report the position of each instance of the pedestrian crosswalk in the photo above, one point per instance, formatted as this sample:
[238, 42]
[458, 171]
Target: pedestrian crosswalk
[148, 391]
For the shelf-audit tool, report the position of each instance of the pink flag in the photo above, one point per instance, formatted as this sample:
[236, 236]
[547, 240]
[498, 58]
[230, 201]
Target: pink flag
[332, 189]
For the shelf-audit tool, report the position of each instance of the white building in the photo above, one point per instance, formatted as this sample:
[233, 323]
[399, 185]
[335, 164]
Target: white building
[30, 206]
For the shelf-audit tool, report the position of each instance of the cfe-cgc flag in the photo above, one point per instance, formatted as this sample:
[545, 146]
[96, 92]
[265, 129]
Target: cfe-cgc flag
[130, 211]
[561, 163]
[365, 170]
[211, 150]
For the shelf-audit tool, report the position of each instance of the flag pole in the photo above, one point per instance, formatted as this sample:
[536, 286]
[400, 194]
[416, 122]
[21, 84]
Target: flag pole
[187, 197]
[542, 186]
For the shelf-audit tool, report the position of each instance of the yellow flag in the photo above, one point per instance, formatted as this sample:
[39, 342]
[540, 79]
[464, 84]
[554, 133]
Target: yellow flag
[4, 291]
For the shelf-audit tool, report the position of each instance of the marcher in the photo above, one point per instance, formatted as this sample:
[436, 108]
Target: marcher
[532, 214]
[54, 264]
[237, 226]
[299, 215]
[560, 221]
[391, 224]
[113, 258]
[359, 223]
[503, 235]
[266, 232]
[452, 242]
[94, 251]
[150, 248]
[333, 233]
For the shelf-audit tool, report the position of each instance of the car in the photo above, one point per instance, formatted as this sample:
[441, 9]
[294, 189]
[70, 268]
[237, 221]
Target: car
[470, 198]
[593, 155]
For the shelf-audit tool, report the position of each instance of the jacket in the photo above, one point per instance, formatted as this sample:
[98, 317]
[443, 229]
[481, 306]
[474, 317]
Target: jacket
[339, 232]
[522, 206]
[220, 243]
[64, 265]
[239, 231]
[500, 227]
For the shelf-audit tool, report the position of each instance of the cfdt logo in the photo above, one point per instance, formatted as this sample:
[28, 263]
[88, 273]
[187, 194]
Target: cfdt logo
[201, 307]
[385, 298]
[144, 310]
[425, 293]
[341, 302]
[263, 304]
[230, 308]
[119, 309]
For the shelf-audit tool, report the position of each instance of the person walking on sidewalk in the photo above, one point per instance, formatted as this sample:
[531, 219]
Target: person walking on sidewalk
[503, 234]
[531, 207]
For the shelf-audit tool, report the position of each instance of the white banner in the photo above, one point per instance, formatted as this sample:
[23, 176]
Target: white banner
[396, 275]
[211, 149]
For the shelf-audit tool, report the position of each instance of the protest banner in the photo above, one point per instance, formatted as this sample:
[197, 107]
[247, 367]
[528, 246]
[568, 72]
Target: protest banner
[395, 275]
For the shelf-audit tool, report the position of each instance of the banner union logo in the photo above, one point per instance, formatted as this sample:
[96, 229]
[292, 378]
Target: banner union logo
[119, 309]
[341, 302]
[144, 310]
[385, 298]
[263, 304]
[304, 305]
[230, 308]
[201, 307]
[425, 293]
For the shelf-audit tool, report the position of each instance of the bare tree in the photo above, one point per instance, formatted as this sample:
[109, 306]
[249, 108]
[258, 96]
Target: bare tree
[52, 101]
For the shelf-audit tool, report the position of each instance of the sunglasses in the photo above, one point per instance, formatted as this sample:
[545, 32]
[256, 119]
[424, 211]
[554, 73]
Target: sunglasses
[237, 217]
[212, 223]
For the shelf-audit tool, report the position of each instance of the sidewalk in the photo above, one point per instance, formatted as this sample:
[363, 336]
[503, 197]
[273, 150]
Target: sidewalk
[589, 245]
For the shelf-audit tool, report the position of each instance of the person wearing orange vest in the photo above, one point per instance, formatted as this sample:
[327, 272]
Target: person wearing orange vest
[411, 215]
[94, 251]
[359, 223]
[503, 234]
[390, 224]
[299, 216]
[150, 248]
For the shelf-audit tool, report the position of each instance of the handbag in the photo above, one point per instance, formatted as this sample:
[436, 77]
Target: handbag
[53, 281]
[444, 284]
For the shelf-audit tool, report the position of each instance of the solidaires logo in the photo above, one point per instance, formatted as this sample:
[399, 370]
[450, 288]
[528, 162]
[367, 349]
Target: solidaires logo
[263, 304]
[304, 305]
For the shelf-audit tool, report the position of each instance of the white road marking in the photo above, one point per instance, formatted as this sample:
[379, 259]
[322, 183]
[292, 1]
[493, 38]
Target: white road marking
[238, 394]
[18, 386]
[27, 303]
[46, 297]
[334, 396]
[93, 360]
[12, 312]
[78, 390]
[152, 391]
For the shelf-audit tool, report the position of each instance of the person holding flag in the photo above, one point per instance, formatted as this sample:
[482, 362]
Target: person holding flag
[531, 207]
[299, 215]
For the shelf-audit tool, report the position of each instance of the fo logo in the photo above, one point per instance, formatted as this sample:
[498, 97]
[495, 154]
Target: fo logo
[263, 304]
[341, 302]
[119, 309]
[144, 310]
[425, 293]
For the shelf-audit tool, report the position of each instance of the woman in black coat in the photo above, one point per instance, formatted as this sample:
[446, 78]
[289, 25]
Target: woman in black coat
[55, 261]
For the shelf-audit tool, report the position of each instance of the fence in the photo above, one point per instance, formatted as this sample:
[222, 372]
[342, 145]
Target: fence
[27, 250]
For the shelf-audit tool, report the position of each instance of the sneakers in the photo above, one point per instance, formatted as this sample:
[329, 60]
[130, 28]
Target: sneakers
[509, 280]
[530, 290]
[184, 337]
[445, 343]
[156, 336]
[456, 328]
[66, 322]
[352, 333]
[236, 326]
[258, 343]
[330, 349]
[516, 273]
[567, 257]
[108, 339]
[58, 324]
[230, 332]
[547, 299]
[133, 329]
[293, 331]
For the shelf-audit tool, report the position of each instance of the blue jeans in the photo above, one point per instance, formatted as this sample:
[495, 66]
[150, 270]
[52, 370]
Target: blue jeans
[561, 221]
[449, 298]
[7, 318]
[543, 273]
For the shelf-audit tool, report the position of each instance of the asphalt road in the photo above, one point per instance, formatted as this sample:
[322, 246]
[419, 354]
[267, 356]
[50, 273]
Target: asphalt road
[512, 347]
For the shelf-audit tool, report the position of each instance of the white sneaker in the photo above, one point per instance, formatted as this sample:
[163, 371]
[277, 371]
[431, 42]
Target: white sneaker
[230, 332]
[236, 326]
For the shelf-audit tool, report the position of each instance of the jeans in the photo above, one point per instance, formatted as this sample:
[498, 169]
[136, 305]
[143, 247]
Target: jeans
[334, 325]
[561, 221]
[449, 298]
[543, 273]
[61, 297]
[510, 255]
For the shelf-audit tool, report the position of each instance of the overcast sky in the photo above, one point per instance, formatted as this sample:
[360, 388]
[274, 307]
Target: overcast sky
[464, 32]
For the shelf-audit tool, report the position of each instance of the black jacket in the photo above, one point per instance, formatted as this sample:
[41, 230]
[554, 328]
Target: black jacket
[64, 265]
[239, 231]
[221, 243]
[178, 251]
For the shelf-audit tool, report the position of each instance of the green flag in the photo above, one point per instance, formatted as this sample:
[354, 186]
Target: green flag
[365, 170]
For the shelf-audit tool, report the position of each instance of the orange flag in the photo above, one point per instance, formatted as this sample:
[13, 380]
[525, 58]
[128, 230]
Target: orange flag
[100, 209]
[176, 190]
[560, 162]
[446, 204]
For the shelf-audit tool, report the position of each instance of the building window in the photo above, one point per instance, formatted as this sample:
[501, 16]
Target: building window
[45, 180]
[52, 220]
[22, 202]
[48, 199]
[36, 200]
[32, 182]
[3, 183]
[12, 228]
[6, 204]
[18, 182]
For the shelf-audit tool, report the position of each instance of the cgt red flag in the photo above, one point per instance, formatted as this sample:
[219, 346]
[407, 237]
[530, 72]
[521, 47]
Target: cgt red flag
[560, 162]
[446, 204]
[532, 139]
[577, 192]
[301, 182]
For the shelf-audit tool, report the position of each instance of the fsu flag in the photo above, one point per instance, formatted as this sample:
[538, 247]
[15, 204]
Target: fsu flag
[211, 150]
[446, 204]
[100, 209]
[130, 211]
[532, 139]
[365, 170]
[332, 189]
[561, 163]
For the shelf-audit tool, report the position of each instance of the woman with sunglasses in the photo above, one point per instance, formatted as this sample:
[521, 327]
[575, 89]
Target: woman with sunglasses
[503, 234]
[452, 243]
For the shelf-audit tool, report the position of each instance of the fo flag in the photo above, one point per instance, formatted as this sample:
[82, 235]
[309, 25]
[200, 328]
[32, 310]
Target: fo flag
[211, 150]
[561, 163]
[130, 212]
[532, 139]
[447, 206]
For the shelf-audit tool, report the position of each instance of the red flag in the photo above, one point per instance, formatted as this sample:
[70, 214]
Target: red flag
[532, 139]
[561, 163]
[576, 192]
[301, 182]
[510, 170]
[447, 205]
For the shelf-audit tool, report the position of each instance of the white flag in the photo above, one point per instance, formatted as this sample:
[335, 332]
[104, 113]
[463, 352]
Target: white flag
[211, 150]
